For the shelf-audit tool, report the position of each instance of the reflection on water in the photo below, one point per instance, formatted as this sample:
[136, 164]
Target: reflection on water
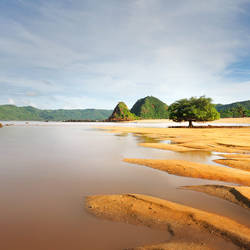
[192, 155]
[145, 139]
[121, 134]
[46, 171]
[198, 156]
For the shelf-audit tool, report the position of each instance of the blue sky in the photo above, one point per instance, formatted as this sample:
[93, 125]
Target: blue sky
[94, 53]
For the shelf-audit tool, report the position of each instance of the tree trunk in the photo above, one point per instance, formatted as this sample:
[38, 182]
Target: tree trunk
[190, 125]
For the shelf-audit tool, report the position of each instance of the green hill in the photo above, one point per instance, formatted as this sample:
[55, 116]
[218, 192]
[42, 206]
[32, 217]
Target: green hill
[28, 113]
[150, 108]
[122, 113]
[236, 109]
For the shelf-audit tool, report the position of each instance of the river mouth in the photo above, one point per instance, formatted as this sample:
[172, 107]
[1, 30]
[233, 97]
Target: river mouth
[47, 171]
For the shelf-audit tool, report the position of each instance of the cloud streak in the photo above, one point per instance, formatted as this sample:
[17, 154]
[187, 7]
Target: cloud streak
[95, 53]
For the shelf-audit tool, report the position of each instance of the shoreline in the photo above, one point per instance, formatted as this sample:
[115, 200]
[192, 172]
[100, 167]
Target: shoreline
[233, 143]
[239, 195]
[174, 218]
[196, 170]
[243, 120]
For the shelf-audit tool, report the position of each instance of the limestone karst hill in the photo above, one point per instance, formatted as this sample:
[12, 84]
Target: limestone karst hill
[150, 108]
[122, 113]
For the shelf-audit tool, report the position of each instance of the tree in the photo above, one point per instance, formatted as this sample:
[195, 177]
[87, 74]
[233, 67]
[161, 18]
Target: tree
[239, 111]
[194, 109]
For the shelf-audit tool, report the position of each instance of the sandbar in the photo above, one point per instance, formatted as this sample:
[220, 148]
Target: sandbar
[161, 214]
[175, 246]
[225, 140]
[196, 170]
[240, 161]
[235, 194]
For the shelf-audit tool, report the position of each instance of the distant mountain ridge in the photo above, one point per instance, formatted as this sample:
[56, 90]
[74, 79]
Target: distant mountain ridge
[221, 107]
[145, 108]
[28, 113]
[235, 109]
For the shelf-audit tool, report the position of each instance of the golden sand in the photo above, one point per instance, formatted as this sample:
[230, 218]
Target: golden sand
[196, 170]
[240, 163]
[236, 156]
[225, 140]
[237, 195]
[165, 215]
[243, 120]
[175, 246]
[176, 218]
[172, 147]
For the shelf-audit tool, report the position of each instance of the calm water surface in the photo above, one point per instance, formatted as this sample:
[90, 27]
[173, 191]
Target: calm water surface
[46, 171]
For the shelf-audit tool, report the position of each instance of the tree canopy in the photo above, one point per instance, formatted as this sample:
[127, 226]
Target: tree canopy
[194, 109]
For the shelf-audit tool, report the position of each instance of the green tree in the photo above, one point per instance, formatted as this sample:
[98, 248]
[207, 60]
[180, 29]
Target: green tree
[239, 111]
[194, 109]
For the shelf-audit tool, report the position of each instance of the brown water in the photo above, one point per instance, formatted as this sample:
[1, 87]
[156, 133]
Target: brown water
[46, 171]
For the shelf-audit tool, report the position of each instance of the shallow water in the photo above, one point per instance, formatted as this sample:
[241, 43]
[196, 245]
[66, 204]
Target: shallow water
[46, 171]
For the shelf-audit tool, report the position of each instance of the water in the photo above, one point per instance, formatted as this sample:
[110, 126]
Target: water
[47, 170]
[163, 124]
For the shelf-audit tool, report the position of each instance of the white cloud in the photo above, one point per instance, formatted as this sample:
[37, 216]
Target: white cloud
[123, 50]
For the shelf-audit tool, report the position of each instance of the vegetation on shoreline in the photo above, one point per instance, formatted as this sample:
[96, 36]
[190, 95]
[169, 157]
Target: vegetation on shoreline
[12, 112]
[146, 108]
[236, 109]
[194, 109]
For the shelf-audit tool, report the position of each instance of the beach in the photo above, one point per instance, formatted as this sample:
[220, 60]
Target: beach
[232, 145]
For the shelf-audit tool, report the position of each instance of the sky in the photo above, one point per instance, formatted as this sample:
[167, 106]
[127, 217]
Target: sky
[95, 53]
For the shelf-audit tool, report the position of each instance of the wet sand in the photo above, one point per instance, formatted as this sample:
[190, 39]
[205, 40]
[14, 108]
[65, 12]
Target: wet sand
[225, 140]
[235, 156]
[196, 170]
[178, 220]
[240, 163]
[237, 195]
[138, 209]
[176, 246]
[243, 120]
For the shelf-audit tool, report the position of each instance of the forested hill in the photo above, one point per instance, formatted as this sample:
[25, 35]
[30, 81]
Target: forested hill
[122, 113]
[236, 109]
[150, 108]
[28, 113]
